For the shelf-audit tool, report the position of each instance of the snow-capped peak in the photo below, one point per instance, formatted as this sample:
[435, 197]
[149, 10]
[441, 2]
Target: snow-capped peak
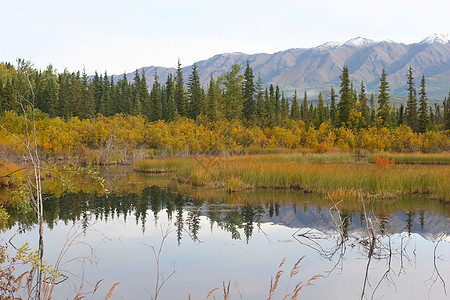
[436, 38]
[328, 45]
[359, 42]
[231, 53]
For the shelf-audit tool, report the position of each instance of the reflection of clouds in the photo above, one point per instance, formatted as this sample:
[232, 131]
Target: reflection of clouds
[433, 226]
[446, 238]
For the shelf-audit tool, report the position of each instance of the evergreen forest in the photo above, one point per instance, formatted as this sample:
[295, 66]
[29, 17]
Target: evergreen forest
[236, 100]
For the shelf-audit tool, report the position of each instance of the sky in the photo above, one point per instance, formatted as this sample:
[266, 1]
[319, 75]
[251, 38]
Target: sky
[121, 36]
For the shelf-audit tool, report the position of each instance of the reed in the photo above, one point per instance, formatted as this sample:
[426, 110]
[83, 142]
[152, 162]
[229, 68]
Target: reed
[275, 291]
[416, 158]
[310, 174]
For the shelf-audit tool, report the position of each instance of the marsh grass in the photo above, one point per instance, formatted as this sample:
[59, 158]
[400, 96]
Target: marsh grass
[416, 158]
[234, 184]
[338, 174]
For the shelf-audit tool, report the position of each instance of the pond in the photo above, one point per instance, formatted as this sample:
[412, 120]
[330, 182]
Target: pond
[241, 240]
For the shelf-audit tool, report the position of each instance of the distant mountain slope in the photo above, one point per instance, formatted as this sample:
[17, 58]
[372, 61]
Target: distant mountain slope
[319, 68]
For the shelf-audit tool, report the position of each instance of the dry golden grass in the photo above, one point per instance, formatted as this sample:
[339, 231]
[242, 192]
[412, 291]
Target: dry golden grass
[335, 174]
[417, 158]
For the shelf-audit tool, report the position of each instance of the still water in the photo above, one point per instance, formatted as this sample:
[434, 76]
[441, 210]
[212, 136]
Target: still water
[241, 240]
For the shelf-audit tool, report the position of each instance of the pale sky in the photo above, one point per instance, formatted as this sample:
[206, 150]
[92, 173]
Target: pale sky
[120, 36]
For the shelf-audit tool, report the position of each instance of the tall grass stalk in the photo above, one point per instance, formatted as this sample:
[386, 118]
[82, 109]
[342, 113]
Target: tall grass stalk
[281, 171]
[417, 158]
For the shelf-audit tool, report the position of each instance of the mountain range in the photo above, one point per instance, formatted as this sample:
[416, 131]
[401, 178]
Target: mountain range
[317, 69]
[433, 226]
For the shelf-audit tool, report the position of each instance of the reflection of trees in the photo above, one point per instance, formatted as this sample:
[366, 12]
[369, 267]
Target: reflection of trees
[374, 240]
[193, 219]
[183, 211]
[368, 233]
[409, 221]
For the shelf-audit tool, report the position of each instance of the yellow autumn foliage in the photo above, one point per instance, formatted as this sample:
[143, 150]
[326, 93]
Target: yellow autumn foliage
[184, 136]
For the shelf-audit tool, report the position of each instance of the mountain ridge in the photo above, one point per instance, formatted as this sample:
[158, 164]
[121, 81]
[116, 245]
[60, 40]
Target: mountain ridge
[318, 68]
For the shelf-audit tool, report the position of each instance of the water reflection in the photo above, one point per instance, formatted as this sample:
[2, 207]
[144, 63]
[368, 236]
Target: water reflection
[234, 216]
[253, 231]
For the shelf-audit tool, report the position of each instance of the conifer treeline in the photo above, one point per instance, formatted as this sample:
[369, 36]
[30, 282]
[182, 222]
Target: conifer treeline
[231, 96]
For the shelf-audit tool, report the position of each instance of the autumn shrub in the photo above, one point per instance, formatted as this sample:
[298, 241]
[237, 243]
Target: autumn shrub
[435, 141]
[234, 184]
[345, 138]
[11, 174]
[383, 162]
[187, 137]
[404, 140]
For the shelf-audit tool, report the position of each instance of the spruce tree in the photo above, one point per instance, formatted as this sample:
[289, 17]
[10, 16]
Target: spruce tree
[424, 117]
[49, 94]
[327, 113]
[401, 115]
[105, 107]
[363, 107]
[346, 93]
[137, 103]
[169, 107]
[260, 108]
[97, 83]
[180, 95]
[164, 103]
[383, 113]
[432, 119]
[277, 100]
[393, 116]
[248, 93]
[137, 106]
[144, 96]
[447, 112]
[211, 100]
[295, 108]
[267, 106]
[372, 110]
[311, 112]
[438, 115]
[115, 97]
[87, 98]
[304, 109]
[354, 95]
[123, 100]
[270, 104]
[284, 107]
[411, 115]
[155, 100]
[333, 107]
[320, 113]
[64, 94]
[232, 94]
[9, 102]
[195, 94]
[75, 94]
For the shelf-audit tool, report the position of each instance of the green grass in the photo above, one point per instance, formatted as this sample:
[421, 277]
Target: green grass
[337, 174]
